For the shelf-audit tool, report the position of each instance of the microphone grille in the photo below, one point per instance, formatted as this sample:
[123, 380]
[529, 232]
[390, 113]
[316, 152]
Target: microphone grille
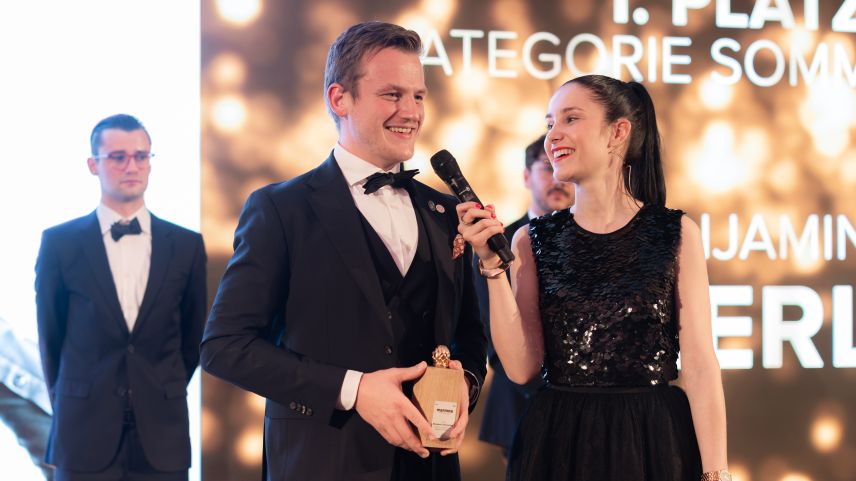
[444, 164]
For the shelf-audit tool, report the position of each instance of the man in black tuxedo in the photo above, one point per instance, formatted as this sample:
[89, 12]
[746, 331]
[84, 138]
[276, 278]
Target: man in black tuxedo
[344, 280]
[506, 402]
[121, 304]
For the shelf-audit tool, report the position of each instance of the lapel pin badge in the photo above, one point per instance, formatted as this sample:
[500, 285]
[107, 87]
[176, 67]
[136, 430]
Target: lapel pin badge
[436, 207]
[458, 246]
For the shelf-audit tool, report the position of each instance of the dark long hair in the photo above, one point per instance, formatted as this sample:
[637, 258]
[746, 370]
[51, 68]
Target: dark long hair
[643, 164]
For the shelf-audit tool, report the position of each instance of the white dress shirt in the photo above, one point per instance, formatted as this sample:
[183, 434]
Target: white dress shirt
[129, 258]
[390, 213]
[388, 210]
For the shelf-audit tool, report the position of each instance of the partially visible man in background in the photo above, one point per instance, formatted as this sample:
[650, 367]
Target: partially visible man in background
[507, 401]
[24, 404]
[120, 300]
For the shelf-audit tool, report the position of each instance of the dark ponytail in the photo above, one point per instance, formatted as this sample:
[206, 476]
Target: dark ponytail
[643, 165]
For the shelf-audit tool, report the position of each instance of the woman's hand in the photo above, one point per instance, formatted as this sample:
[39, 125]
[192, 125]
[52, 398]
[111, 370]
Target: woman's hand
[477, 224]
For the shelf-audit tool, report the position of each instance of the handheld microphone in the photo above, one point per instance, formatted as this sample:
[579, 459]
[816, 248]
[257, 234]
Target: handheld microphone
[446, 167]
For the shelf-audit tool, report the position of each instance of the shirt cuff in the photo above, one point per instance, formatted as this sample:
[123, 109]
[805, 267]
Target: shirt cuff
[348, 394]
[475, 387]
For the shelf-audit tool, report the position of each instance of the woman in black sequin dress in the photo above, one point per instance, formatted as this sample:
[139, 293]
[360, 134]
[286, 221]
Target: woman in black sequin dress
[605, 295]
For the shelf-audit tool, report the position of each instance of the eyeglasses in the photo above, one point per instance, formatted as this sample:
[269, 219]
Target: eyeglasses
[542, 166]
[120, 159]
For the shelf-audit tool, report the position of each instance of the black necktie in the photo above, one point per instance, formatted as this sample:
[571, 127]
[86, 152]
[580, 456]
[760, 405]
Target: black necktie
[380, 179]
[119, 229]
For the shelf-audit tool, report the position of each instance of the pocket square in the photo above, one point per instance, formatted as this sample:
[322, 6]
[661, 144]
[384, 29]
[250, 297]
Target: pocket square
[458, 246]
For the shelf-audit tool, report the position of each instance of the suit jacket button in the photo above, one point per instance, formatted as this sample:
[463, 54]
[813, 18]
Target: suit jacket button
[389, 315]
[292, 405]
[387, 350]
[121, 391]
[131, 348]
[20, 380]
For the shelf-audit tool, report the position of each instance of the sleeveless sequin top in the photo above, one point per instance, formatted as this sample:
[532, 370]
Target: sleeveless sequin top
[607, 300]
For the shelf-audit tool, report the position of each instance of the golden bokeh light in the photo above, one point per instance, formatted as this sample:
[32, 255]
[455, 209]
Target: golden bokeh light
[239, 12]
[715, 95]
[753, 149]
[795, 477]
[739, 472]
[800, 39]
[716, 166]
[211, 429]
[458, 137]
[472, 81]
[827, 113]
[826, 433]
[256, 402]
[427, 16]
[249, 446]
[228, 71]
[847, 171]
[439, 11]
[530, 118]
[229, 113]
[783, 176]
[421, 161]
[508, 193]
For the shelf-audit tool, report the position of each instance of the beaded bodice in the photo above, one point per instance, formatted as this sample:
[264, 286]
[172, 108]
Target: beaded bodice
[607, 301]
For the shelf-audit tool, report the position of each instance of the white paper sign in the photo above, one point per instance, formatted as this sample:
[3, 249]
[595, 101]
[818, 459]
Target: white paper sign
[444, 417]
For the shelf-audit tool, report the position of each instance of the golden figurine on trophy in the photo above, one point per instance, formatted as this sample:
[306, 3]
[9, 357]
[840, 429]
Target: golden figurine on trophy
[437, 395]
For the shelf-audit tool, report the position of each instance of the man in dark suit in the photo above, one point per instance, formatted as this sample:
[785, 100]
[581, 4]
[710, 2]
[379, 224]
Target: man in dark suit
[121, 304]
[343, 281]
[506, 401]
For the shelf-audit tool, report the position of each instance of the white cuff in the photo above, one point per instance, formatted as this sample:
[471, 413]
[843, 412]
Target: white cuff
[348, 394]
[475, 387]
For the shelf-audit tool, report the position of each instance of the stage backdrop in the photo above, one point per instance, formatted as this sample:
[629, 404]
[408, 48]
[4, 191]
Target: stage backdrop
[65, 66]
[756, 106]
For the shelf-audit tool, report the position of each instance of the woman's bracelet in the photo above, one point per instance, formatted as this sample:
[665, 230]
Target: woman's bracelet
[720, 475]
[494, 272]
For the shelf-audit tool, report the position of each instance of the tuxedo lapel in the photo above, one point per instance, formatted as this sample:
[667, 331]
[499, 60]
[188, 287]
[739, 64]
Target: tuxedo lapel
[331, 201]
[162, 249]
[436, 228]
[96, 255]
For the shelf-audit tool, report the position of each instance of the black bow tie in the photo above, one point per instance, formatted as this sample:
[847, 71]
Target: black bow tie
[380, 179]
[119, 229]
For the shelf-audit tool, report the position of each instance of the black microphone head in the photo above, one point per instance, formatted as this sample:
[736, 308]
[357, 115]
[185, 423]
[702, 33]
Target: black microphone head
[445, 165]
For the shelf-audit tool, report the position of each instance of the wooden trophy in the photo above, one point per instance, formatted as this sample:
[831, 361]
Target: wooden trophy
[437, 395]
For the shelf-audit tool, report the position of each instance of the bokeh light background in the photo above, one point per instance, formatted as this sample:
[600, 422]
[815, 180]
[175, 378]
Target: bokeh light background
[771, 153]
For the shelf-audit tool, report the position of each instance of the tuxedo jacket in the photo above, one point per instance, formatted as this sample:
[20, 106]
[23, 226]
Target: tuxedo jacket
[95, 368]
[300, 303]
[506, 401]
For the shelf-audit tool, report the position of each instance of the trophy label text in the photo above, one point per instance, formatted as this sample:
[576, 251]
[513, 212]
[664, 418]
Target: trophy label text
[445, 414]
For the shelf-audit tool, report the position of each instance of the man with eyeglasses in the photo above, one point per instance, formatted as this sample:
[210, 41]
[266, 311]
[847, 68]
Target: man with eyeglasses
[506, 402]
[121, 302]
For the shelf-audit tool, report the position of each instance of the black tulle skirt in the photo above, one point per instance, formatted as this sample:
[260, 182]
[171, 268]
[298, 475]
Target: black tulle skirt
[606, 434]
